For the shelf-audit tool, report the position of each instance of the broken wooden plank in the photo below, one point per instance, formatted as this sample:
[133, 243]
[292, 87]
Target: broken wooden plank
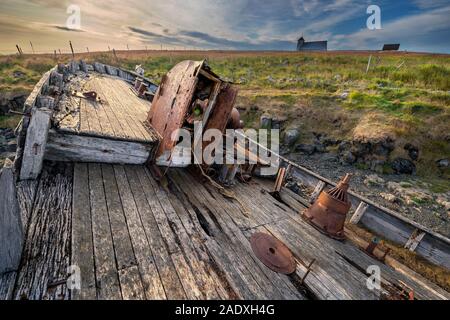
[317, 190]
[80, 148]
[414, 240]
[11, 226]
[46, 253]
[359, 212]
[35, 143]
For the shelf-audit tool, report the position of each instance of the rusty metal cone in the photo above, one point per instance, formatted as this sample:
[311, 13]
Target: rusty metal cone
[328, 212]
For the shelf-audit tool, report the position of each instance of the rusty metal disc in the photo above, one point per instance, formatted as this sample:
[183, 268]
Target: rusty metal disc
[273, 253]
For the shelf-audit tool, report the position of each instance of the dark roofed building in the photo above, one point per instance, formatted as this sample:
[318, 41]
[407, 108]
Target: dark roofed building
[391, 47]
[302, 45]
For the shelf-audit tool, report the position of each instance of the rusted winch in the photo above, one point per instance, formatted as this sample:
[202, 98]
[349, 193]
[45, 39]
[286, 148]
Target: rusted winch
[330, 209]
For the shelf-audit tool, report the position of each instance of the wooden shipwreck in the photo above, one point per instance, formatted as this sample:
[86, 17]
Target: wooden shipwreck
[85, 216]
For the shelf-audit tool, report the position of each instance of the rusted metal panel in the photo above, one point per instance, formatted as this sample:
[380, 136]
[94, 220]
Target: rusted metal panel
[273, 253]
[172, 100]
[222, 110]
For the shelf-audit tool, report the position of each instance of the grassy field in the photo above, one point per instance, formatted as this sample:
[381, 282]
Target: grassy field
[403, 95]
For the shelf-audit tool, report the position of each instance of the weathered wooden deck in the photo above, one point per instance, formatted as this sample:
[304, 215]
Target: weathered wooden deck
[111, 130]
[135, 239]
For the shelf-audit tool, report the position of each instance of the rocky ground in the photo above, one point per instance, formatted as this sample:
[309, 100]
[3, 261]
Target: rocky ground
[8, 145]
[403, 193]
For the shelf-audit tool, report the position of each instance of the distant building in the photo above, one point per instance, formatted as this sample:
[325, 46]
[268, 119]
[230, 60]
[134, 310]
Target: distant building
[391, 47]
[302, 45]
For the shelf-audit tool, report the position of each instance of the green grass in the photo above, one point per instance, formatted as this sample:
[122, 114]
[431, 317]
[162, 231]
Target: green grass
[404, 95]
[9, 121]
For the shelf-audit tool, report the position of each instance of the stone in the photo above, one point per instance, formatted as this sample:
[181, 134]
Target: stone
[329, 157]
[320, 148]
[277, 123]
[328, 141]
[388, 197]
[442, 163]
[291, 136]
[373, 179]
[305, 148]
[344, 146]
[443, 202]
[344, 95]
[413, 151]
[402, 165]
[348, 158]
[265, 121]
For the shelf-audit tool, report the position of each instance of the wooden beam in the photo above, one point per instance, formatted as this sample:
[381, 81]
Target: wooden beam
[77, 148]
[414, 240]
[35, 143]
[11, 231]
[317, 190]
[362, 207]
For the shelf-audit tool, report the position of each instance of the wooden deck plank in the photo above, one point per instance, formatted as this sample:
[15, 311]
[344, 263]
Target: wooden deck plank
[116, 106]
[130, 284]
[204, 282]
[142, 249]
[118, 124]
[265, 279]
[225, 242]
[121, 238]
[146, 203]
[82, 242]
[105, 261]
[134, 107]
[184, 272]
[46, 254]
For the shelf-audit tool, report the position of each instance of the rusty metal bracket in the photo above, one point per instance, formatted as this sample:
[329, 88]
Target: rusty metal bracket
[89, 95]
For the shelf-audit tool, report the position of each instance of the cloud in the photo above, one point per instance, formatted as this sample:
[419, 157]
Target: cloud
[415, 32]
[230, 24]
[64, 28]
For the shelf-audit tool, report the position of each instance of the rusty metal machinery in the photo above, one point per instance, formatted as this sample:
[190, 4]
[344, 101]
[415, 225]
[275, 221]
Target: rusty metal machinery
[328, 212]
[273, 253]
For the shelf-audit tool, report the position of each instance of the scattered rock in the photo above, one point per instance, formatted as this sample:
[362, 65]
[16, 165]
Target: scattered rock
[348, 158]
[18, 74]
[442, 163]
[328, 141]
[344, 95]
[388, 197]
[344, 146]
[413, 151]
[402, 165]
[443, 202]
[319, 147]
[329, 157]
[265, 122]
[305, 148]
[277, 123]
[291, 136]
[373, 179]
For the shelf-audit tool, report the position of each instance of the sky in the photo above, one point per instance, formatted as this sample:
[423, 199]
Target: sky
[418, 25]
